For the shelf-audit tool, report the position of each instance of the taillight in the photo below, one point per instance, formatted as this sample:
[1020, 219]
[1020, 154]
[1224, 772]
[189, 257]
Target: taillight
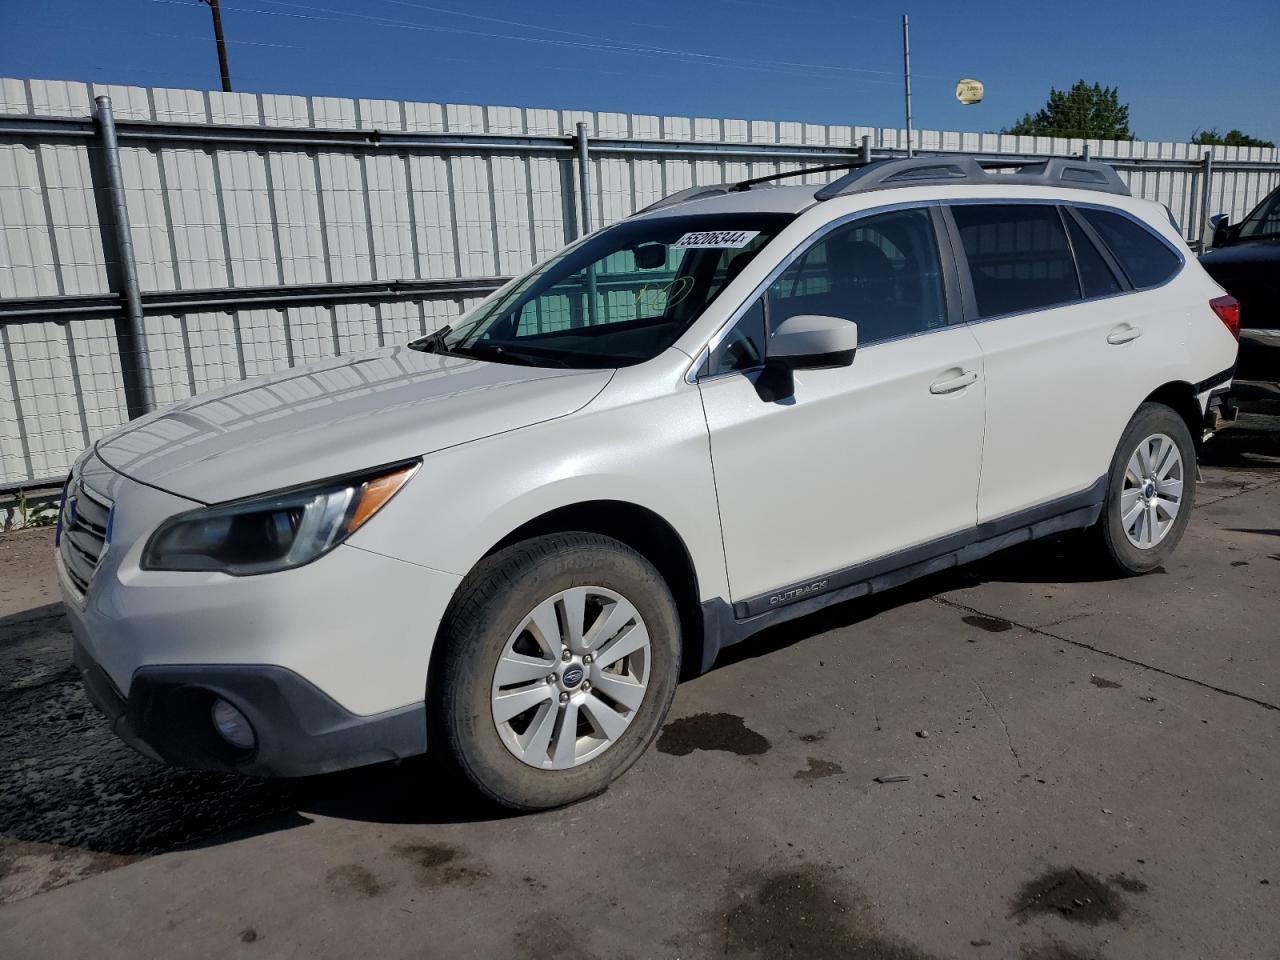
[1228, 310]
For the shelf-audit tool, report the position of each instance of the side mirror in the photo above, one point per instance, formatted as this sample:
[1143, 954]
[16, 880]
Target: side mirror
[1221, 230]
[805, 342]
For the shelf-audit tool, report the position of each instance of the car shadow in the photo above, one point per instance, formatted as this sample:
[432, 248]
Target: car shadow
[66, 779]
[1252, 443]
[1065, 558]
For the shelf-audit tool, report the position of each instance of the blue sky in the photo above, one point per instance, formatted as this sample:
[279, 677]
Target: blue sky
[1180, 64]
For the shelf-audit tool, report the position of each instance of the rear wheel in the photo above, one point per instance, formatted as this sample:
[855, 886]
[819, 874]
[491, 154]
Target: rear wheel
[558, 661]
[1150, 491]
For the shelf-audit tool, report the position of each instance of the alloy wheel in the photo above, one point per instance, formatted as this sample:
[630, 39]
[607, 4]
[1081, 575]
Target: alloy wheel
[571, 677]
[1152, 491]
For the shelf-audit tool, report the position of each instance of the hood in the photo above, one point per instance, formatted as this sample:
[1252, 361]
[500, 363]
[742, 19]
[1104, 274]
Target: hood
[337, 416]
[1244, 252]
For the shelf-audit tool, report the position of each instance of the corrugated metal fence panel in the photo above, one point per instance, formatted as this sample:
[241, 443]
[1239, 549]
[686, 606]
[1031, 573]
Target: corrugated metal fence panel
[27, 264]
[214, 215]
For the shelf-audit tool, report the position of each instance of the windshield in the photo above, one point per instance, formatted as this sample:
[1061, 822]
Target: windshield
[618, 297]
[1265, 219]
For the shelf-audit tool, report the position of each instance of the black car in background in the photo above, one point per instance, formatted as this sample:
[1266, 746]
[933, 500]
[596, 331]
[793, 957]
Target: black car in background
[1245, 260]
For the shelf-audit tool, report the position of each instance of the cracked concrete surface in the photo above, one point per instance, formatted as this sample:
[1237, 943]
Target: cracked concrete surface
[1099, 780]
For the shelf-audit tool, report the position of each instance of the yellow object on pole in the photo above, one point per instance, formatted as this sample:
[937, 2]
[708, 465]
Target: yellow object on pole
[969, 91]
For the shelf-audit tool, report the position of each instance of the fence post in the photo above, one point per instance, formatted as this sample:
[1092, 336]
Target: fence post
[584, 176]
[866, 148]
[1206, 177]
[584, 188]
[135, 364]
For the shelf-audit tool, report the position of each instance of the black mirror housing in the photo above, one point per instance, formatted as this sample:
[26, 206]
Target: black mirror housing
[650, 256]
[1223, 232]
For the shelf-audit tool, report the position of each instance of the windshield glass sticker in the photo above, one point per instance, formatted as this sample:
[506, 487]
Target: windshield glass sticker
[716, 239]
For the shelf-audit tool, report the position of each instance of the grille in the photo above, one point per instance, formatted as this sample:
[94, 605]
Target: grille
[85, 517]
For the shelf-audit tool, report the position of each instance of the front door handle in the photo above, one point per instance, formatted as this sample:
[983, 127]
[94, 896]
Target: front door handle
[1123, 334]
[952, 384]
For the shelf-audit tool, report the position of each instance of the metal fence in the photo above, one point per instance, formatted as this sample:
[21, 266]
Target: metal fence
[157, 243]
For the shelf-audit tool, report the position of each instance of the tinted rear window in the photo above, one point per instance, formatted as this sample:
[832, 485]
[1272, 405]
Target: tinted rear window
[1018, 256]
[1144, 257]
[1095, 275]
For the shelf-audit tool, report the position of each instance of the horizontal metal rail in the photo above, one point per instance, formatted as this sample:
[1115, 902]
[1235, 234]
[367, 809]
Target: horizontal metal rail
[62, 309]
[310, 138]
[230, 299]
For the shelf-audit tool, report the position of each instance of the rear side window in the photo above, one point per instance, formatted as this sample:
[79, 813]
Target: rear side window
[1018, 256]
[1095, 275]
[1145, 258]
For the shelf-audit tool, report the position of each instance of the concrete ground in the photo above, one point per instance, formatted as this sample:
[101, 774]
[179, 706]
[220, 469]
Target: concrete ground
[1086, 768]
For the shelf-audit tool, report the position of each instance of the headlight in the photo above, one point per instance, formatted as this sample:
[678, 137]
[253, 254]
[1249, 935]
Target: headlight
[277, 531]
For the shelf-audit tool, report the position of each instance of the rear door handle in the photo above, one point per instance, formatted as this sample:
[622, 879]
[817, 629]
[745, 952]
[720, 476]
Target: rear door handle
[1124, 334]
[952, 384]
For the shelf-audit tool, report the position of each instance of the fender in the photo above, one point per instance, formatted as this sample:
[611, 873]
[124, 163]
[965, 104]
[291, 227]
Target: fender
[651, 453]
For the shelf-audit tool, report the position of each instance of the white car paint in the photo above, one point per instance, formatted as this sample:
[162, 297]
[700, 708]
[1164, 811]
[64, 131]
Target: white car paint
[336, 417]
[867, 461]
[810, 487]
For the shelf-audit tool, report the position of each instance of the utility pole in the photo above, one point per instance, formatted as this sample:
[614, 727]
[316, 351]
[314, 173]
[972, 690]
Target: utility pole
[906, 74]
[222, 44]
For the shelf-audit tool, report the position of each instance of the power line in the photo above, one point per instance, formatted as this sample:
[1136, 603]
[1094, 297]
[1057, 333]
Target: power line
[612, 40]
[775, 67]
[175, 36]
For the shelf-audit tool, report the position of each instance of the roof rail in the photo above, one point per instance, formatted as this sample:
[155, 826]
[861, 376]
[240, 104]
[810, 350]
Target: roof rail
[711, 190]
[867, 175]
[684, 196]
[968, 169]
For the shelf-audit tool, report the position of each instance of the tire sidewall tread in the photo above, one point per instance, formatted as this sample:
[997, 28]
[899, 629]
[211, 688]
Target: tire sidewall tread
[1116, 550]
[500, 591]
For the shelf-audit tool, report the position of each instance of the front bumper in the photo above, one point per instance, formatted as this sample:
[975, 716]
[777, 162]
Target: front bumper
[299, 730]
[328, 661]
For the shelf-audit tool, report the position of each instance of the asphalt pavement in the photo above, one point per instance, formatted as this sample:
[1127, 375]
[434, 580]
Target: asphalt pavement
[1021, 758]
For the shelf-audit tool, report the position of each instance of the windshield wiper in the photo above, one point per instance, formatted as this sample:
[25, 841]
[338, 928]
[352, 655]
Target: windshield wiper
[432, 342]
[502, 353]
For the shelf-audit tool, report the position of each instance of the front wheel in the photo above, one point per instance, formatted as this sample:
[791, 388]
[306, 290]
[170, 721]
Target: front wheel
[558, 662]
[1150, 491]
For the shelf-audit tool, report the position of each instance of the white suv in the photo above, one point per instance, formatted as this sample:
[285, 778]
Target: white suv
[740, 405]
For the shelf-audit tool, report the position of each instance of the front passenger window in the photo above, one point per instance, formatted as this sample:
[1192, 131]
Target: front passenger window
[882, 272]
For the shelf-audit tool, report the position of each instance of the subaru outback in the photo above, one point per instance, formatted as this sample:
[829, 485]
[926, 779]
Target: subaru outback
[509, 539]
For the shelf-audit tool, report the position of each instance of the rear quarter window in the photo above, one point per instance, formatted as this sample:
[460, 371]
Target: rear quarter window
[1095, 276]
[1146, 259]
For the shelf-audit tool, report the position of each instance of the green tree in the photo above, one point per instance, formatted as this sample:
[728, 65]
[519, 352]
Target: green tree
[1232, 138]
[1089, 112]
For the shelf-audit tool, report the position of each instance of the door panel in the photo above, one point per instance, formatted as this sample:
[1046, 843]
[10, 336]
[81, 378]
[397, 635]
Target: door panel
[1051, 429]
[1063, 375]
[863, 461]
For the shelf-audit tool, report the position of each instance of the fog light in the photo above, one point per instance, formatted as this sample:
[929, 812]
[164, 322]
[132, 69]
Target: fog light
[233, 725]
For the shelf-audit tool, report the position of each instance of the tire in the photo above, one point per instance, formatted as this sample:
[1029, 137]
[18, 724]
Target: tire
[513, 612]
[1124, 539]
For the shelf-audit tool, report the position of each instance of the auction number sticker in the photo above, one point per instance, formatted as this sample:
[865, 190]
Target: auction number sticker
[716, 239]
